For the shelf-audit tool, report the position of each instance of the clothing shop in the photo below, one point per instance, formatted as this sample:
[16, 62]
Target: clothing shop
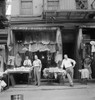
[46, 42]
[87, 48]
[3, 49]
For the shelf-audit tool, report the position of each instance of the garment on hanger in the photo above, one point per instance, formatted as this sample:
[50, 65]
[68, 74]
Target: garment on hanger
[1, 64]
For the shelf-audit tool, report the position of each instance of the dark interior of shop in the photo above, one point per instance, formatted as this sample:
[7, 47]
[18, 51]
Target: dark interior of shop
[68, 40]
[89, 35]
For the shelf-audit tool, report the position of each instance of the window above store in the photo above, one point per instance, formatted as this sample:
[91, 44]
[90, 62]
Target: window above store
[26, 7]
[52, 4]
[81, 4]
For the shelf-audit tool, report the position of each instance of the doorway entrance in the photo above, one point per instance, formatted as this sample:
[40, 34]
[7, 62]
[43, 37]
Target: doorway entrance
[69, 44]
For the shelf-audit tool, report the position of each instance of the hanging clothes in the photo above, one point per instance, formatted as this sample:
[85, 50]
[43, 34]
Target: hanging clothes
[33, 47]
[80, 38]
[11, 60]
[52, 48]
[18, 60]
[44, 48]
[58, 55]
[28, 39]
[10, 40]
[1, 64]
[45, 38]
[93, 46]
[52, 37]
[59, 40]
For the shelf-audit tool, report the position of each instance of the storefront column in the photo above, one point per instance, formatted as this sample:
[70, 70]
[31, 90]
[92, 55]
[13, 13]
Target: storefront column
[78, 52]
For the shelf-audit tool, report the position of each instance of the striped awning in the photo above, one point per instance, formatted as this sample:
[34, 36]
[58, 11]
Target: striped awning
[34, 28]
[3, 36]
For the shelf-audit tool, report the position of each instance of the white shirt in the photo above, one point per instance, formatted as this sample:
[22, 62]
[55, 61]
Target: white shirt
[27, 62]
[68, 63]
[37, 63]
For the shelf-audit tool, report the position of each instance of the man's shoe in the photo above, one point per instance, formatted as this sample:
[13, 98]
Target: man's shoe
[71, 85]
[36, 83]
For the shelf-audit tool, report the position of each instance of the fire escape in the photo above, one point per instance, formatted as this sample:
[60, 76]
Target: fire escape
[52, 12]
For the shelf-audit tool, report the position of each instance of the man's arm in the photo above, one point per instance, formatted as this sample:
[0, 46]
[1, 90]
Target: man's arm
[30, 63]
[24, 63]
[74, 62]
[40, 65]
[62, 65]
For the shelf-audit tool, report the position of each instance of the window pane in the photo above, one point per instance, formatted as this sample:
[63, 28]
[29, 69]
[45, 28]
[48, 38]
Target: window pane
[52, 4]
[81, 4]
[26, 12]
[26, 7]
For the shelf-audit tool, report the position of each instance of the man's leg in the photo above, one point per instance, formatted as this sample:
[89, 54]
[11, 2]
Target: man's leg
[70, 79]
[35, 76]
[70, 76]
[38, 76]
[72, 73]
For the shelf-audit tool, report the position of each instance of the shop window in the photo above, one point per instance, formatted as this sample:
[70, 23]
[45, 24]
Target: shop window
[81, 4]
[52, 4]
[26, 7]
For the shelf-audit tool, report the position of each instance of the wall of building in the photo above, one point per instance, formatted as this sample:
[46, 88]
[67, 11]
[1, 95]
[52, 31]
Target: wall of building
[15, 10]
[68, 4]
[38, 6]
[2, 7]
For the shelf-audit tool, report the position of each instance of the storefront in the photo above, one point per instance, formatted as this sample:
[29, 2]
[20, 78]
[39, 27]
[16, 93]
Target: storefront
[46, 42]
[88, 46]
[3, 49]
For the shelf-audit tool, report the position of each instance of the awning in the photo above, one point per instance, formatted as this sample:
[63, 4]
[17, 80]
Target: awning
[3, 36]
[69, 15]
[26, 27]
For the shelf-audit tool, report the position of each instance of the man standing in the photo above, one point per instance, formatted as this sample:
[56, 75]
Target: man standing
[68, 64]
[37, 70]
[27, 62]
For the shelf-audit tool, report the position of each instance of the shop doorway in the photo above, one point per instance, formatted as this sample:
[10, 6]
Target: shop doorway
[68, 48]
[69, 44]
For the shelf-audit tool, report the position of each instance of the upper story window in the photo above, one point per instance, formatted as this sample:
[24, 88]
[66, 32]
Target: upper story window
[52, 4]
[26, 7]
[81, 4]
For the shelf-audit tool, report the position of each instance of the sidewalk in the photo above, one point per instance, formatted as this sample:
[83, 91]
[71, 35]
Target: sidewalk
[51, 91]
[51, 86]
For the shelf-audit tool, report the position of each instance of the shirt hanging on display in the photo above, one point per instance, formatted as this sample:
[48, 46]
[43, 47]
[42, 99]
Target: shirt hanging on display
[11, 60]
[1, 63]
[93, 46]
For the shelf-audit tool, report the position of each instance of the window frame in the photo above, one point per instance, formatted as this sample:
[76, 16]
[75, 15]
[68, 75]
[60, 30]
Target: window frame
[21, 7]
[80, 7]
[52, 5]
